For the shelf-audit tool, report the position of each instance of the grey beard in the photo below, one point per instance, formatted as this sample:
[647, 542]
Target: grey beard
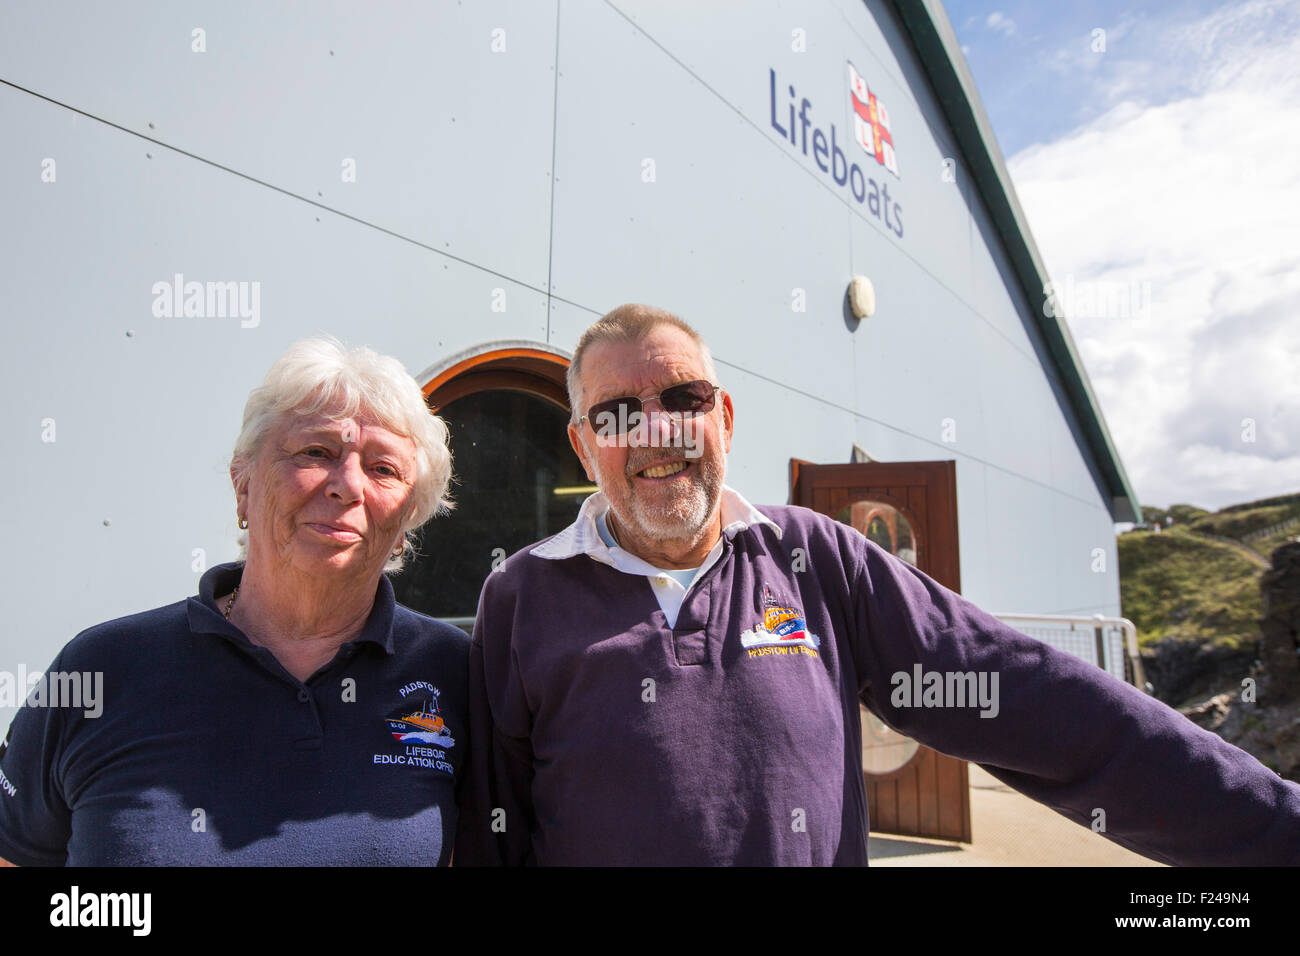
[685, 518]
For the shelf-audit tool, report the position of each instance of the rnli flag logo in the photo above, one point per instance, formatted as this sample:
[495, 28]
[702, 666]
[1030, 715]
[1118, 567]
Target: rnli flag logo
[871, 123]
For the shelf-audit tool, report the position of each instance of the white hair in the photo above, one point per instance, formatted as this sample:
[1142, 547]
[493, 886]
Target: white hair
[321, 376]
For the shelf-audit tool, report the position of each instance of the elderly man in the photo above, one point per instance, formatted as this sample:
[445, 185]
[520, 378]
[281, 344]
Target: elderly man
[662, 683]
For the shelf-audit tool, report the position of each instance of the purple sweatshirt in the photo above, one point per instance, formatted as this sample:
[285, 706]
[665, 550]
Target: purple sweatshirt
[599, 735]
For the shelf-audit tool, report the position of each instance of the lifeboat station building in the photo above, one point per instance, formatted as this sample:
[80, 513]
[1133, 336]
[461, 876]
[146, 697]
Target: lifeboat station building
[815, 187]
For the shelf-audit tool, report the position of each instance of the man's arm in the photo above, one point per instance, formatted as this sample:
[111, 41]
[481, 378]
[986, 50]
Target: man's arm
[1062, 731]
[496, 813]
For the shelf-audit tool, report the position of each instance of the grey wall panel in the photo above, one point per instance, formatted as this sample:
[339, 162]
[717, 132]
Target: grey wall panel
[1075, 559]
[1089, 581]
[1021, 545]
[446, 134]
[1070, 473]
[144, 425]
[567, 322]
[977, 574]
[773, 425]
[873, 24]
[1002, 308]
[995, 296]
[936, 190]
[918, 364]
[1009, 347]
[724, 232]
[885, 442]
[758, 39]
[1016, 417]
[1041, 551]
[720, 41]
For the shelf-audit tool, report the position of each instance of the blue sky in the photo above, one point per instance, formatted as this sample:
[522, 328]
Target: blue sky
[1152, 148]
[1038, 75]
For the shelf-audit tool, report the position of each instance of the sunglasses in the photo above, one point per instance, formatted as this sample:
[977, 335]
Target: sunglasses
[684, 399]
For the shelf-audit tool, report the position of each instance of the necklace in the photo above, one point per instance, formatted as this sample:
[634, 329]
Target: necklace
[231, 603]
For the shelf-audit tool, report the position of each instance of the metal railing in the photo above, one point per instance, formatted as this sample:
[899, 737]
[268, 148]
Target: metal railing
[1275, 529]
[1109, 642]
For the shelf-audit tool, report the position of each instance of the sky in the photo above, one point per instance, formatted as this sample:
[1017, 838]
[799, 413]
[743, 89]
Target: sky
[1153, 148]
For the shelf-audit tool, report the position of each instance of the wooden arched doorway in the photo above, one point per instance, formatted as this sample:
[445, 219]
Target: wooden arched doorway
[910, 509]
[515, 477]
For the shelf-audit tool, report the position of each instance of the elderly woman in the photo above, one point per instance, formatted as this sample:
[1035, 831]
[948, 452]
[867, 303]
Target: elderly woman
[292, 712]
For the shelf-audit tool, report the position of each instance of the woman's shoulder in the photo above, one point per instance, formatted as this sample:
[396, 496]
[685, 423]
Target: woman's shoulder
[416, 628]
[139, 633]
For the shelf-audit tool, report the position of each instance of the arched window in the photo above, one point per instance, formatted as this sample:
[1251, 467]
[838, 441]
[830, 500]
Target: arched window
[516, 479]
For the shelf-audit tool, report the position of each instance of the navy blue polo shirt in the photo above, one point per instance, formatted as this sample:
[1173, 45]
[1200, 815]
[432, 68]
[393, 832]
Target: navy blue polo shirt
[206, 751]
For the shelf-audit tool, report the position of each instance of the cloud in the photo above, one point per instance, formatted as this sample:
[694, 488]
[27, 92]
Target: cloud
[1001, 23]
[1184, 186]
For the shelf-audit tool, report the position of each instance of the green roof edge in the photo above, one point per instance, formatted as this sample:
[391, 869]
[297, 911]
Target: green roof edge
[941, 58]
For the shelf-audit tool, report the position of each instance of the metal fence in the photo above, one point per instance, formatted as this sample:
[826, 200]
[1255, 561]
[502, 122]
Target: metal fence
[1109, 642]
[1275, 529]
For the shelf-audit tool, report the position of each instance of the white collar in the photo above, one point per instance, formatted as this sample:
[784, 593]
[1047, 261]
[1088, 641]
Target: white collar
[581, 537]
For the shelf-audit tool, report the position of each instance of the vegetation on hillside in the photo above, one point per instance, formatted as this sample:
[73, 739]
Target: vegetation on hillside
[1291, 500]
[1184, 513]
[1190, 581]
[1238, 524]
[1266, 545]
[1177, 585]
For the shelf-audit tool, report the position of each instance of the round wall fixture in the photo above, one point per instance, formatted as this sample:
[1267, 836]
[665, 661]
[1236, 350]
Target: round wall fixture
[862, 297]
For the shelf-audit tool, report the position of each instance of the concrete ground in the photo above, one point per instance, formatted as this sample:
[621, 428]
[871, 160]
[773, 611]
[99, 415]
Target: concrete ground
[1009, 829]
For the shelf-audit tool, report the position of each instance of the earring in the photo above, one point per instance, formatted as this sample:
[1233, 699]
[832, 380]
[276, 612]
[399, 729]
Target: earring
[397, 552]
[242, 523]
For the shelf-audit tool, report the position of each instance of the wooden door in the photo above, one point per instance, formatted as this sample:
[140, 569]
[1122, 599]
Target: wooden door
[910, 509]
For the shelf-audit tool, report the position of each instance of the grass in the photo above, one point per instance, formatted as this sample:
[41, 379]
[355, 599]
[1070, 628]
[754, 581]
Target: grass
[1238, 524]
[1292, 501]
[1266, 546]
[1176, 585]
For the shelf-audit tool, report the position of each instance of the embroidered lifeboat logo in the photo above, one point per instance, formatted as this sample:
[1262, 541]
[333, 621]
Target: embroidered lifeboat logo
[422, 724]
[418, 725]
[781, 631]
